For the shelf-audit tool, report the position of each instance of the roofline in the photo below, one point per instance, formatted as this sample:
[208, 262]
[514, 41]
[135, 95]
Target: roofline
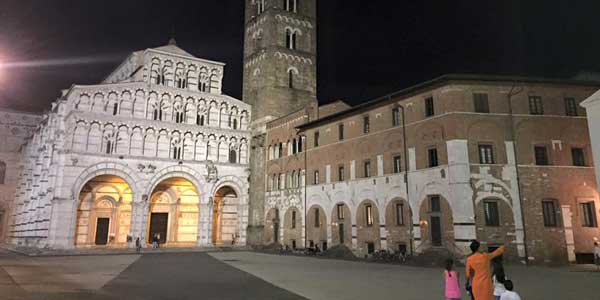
[441, 80]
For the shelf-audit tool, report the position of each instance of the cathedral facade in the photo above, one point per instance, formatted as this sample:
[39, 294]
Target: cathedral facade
[155, 151]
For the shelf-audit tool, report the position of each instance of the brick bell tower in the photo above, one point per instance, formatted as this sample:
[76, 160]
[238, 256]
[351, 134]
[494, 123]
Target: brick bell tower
[280, 77]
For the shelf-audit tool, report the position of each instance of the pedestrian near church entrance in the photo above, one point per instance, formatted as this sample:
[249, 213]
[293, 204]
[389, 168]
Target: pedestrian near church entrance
[478, 271]
[138, 245]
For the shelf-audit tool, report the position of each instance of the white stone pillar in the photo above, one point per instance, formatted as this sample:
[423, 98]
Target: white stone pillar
[511, 169]
[592, 106]
[205, 211]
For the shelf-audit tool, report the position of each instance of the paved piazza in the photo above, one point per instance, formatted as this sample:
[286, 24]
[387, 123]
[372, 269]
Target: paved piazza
[247, 275]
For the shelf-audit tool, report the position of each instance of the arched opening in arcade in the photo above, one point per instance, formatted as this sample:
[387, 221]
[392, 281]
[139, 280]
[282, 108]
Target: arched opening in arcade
[341, 225]
[225, 222]
[292, 228]
[272, 227]
[173, 213]
[316, 227]
[104, 212]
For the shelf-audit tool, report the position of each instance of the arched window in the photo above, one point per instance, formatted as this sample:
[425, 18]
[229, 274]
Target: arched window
[2, 172]
[207, 151]
[290, 39]
[232, 156]
[230, 120]
[179, 117]
[176, 152]
[155, 114]
[235, 123]
[291, 79]
[115, 109]
[200, 119]
[109, 147]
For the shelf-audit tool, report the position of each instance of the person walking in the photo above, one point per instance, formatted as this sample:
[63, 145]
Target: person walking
[138, 245]
[452, 282]
[478, 271]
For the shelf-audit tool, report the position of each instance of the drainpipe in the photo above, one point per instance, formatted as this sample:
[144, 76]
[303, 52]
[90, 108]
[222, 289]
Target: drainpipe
[512, 93]
[406, 169]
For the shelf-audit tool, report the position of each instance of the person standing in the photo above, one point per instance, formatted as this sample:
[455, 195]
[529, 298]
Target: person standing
[478, 271]
[452, 282]
[138, 245]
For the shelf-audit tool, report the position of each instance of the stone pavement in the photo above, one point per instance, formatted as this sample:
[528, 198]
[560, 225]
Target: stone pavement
[249, 275]
[318, 278]
[149, 276]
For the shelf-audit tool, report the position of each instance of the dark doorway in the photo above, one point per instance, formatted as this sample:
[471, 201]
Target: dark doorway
[158, 225]
[324, 246]
[102, 231]
[341, 231]
[276, 232]
[370, 247]
[436, 231]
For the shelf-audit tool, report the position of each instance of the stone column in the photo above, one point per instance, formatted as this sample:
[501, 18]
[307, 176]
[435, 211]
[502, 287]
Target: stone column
[516, 199]
[139, 213]
[205, 211]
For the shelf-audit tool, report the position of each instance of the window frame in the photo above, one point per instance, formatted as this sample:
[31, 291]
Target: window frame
[367, 168]
[571, 107]
[317, 218]
[340, 211]
[575, 162]
[486, 158]
[399, 211]
[432, 163]
[341, 131]
[492, 220]
[395, 116]
[397, 164]
[435, 208]
[366, 124]
[550, 215]
[293, 217]
[316, 137]
[481, 103]
[536, 105]
[316, 177]
[535, 155]
[429, 107]
[588, 214]
[341, 174]
[369, 219]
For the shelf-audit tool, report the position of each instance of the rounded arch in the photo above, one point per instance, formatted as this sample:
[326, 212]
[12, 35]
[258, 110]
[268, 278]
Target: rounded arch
[115, 169]
[316, 226]
[181, 171]
[237, 184]
[398, 223]
[292, 228]
[367, 222]
[341, 224]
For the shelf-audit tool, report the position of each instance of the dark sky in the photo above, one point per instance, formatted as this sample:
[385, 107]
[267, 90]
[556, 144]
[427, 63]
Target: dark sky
[366, 48]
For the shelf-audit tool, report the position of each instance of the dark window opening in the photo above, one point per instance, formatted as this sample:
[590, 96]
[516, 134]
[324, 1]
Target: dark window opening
[429, 108]
[492, 217]
[395, 116]
[432, 156]
[550, 213]
[317, 136]
[578, 157]
[340, 211]
[317, 219]
[397, 164]
[366, 125]
[480, 101]
[367, 169]
[541, 156]
[341, 132]
[434, 204]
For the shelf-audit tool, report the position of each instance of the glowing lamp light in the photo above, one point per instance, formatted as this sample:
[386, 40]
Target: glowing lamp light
[423, 223]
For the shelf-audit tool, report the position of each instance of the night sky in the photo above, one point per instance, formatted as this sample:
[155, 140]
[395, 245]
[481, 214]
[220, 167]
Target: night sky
[366, 48]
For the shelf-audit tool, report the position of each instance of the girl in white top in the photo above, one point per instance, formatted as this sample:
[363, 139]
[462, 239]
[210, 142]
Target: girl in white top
[498, 281]
[509, 294]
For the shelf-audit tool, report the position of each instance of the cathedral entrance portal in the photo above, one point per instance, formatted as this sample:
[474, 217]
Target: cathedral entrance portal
[225, 225]
[104, 212]
[173, 214]
[158, 227]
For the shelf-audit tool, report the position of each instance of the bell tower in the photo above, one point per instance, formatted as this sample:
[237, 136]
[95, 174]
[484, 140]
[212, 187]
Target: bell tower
[280, 77]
